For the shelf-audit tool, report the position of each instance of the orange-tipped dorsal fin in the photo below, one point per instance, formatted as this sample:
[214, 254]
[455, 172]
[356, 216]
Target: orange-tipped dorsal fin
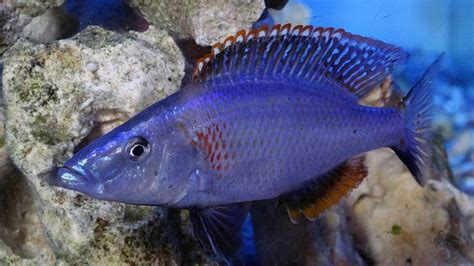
[324, 191]
[324, 55]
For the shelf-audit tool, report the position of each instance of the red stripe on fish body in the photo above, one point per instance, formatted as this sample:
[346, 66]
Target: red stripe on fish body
[213, 144]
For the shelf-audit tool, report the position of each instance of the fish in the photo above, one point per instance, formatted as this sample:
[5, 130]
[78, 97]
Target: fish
[270, 113]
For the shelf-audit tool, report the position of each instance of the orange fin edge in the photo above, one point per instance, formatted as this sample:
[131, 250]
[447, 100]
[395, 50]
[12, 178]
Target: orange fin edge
[325, 191]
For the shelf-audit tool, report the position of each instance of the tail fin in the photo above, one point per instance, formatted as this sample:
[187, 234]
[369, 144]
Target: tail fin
[415, 151]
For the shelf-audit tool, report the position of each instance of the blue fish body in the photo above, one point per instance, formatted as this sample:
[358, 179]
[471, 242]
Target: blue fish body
[264, 138]
[269, 137]
[271, 113]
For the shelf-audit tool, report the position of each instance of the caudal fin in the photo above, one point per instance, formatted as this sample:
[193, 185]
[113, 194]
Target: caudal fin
[415, 151]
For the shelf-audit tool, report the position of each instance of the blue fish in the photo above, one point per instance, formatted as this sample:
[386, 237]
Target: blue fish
[270, 113]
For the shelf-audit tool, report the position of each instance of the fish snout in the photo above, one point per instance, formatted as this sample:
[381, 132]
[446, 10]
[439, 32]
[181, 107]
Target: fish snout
[70, 178]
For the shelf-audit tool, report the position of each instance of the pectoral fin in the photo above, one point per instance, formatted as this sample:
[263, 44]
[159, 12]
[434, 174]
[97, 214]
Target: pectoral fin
[219, 229]
[324, 191]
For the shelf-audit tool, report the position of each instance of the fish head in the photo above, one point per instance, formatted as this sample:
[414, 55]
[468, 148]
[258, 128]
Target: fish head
[147, 163]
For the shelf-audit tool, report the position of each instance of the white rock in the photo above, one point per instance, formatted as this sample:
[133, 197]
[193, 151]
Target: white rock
[92, 67]
[294, 13]
[207, 22]
[54, 24]
[421, 213]
[16, 14]
[463, 143]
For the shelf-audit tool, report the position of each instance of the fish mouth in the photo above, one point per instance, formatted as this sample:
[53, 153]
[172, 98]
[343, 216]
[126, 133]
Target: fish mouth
[70, 178]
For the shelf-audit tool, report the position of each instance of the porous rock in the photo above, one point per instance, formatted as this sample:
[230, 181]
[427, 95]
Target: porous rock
[207, 22]
[14, 15]
[54, 24]
[21, 234]
[396, 221]
[5, 164]
[55, 95]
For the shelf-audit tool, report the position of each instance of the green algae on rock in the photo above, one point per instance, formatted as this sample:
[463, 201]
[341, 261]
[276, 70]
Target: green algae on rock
[396, 230]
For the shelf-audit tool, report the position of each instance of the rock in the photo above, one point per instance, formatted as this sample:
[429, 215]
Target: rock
[53, 96]
[63, 94]
[440, 167]
[463, 143]
[20, 227]
[16, 14]
[443, 124]
[21, 234]
[386, 94]
[294, 13]
[207, 22]
[54, 24]
[8, 257]
[395, 221]
[5, 164]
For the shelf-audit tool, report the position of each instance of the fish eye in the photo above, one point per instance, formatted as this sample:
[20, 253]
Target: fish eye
[137, 148]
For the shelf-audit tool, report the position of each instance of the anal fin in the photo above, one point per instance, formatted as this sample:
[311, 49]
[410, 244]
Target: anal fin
[324, 191]
[219, 229]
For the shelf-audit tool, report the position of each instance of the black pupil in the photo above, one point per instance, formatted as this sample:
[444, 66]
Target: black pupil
[138, 150]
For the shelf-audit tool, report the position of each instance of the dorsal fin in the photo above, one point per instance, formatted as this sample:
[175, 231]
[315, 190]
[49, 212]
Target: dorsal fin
[324, 191]
[302, 52]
